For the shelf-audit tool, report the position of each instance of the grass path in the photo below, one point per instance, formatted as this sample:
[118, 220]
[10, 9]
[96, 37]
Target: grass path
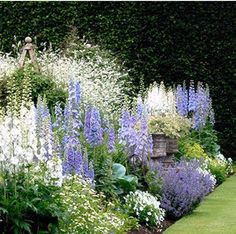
[215, 215]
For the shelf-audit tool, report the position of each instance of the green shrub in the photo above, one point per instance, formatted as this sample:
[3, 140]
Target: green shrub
[26, 206]
[218, 170]
[190, 149]
[207, 137]
[27, 84]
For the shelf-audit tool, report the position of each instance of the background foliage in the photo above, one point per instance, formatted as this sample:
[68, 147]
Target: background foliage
[170, 41]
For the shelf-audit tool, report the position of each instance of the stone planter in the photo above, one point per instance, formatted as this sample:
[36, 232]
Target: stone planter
[163, 149]
[159, 145]
[171, 146]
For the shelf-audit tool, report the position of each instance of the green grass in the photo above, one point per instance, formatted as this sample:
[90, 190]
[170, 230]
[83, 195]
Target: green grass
[215, 215]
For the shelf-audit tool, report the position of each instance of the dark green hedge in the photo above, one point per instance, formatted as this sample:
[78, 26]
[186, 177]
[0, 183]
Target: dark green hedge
[171, 41]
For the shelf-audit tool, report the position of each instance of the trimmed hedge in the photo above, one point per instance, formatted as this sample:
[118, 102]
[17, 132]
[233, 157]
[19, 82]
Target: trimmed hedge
[170, 41]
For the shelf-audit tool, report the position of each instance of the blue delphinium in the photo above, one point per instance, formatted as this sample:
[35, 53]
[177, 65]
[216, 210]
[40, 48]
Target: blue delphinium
[87, 123]
[111, 140]
[133, 133]
[201, 113]
[74, 162]
[144, 142]
[106, 125]
[58, 116]
[182, 100]
[88, 171]
[140, 108]
[191, 97]
[127, 134]
[95, 135]
[196, 104]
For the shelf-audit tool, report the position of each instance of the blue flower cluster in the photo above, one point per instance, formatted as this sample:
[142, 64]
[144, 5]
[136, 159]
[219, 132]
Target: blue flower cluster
[133, 133]
[74, 161]
[195, 103]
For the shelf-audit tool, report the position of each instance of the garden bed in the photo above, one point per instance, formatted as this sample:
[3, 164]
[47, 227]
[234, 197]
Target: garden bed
[143, 230]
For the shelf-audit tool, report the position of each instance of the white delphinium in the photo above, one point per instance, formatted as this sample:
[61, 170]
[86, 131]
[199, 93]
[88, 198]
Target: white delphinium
[54, 173]
[160, 100]
[18, 143]
[145, 207]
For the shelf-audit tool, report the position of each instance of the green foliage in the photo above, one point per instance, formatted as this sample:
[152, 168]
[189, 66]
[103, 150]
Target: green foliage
[218, 170]
[27, 207]
[207, 138]
[190, 149]
[123, 183]
[153, 182]
[27, 84]
[172, 125]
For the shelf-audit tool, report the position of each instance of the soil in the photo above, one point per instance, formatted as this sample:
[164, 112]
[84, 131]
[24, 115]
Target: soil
[144, 230]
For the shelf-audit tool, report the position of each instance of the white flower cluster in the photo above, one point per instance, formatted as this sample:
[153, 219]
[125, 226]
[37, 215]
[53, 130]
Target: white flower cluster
[18, 142]
[228, 163]
[102, 81]
[85, 213]
[145, 207]
[160, 100]
[20, 146]
[7, 65]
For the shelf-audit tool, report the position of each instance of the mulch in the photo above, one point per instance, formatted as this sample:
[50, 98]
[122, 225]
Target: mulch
[143, 230]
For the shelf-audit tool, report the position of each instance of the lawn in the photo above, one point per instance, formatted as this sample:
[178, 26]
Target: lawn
[216, 214]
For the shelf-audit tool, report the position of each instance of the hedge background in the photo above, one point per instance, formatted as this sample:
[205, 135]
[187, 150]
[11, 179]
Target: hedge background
[170, 41]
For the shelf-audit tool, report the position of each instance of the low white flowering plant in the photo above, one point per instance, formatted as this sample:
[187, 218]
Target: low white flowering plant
[145, 207]
[84, 211]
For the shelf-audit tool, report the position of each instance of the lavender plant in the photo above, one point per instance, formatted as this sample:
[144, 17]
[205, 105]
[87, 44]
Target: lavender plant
[184, 186]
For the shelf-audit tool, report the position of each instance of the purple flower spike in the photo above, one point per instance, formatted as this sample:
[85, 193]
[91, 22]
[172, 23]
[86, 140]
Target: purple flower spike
[87, 123]
[95, 131]
[111, 140]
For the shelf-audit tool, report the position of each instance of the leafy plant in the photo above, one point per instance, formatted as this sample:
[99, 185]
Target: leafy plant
[123, 183]
[207, 137]
[26, 206]
[190, 149]
[153, 183]
[27, 84]
[218, 170]
[171, 124]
